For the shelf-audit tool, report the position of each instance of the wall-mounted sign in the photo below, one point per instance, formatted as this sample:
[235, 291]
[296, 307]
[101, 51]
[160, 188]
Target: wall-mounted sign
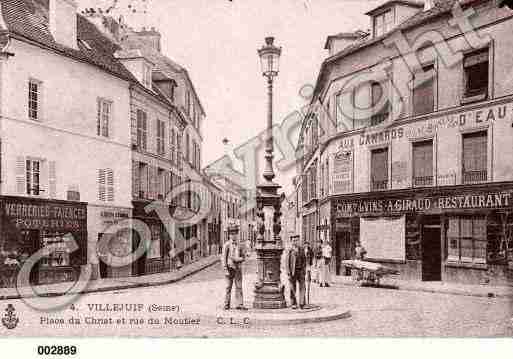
[381, 136]
[424, 204]
[463, 119]
[44, 214]
[342, 171]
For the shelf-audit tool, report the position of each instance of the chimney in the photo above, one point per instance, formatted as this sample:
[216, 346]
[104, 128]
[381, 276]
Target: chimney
[428, 4]
[63, 22]
[150, 37]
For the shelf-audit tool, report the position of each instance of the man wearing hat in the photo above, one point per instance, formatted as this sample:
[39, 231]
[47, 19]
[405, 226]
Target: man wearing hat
[232, 259]
[295, 266]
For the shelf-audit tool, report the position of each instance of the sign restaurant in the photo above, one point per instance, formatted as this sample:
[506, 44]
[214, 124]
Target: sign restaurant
[379, 206]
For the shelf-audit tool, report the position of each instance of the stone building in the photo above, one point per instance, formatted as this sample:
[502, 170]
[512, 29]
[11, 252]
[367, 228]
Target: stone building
[407, 145]
[65, 139]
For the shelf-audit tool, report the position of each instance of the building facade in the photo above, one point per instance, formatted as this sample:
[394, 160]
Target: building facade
[423, 177]
[166, 120]
[65, 139]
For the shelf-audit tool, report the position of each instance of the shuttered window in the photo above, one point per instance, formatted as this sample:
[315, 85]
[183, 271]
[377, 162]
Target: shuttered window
[379, 169]
[106, 185]
[172, 146]
[33, 177]
[423, 163]
[34, 99]
[423, 91]
[179, 139]
[187, 148]
[141, 129]
[161, 144]
[136, 179]
[475, 157]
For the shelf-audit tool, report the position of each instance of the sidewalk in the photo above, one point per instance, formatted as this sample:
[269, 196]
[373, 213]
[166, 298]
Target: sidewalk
[109, 284]
[474, 290]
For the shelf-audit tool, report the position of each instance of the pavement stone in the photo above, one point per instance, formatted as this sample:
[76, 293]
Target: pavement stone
[112, 284]
[474, 290]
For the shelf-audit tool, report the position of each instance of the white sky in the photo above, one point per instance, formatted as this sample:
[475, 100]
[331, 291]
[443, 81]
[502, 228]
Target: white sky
[217, 41]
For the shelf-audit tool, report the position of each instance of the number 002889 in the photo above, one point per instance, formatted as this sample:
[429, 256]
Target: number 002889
[56, 350]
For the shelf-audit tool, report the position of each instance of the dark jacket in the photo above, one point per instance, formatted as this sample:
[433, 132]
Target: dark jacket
[296, 262]
[309, 254]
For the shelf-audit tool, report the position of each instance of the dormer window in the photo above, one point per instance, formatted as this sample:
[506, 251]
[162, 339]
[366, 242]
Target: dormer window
[383, 22]
[147, 75]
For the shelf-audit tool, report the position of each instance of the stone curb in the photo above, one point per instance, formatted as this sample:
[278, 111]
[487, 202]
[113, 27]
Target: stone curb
[254, 320]
[490, 294]
[118, 286]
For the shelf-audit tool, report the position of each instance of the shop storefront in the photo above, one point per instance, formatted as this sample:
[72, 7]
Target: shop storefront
[30, 224]
[102, 220]
[455, 233]
[156, 259]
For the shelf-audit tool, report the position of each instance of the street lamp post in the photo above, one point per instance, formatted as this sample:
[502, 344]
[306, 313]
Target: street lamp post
[269, 292]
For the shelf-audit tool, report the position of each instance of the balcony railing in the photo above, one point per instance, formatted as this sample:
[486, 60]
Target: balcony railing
[474, 176]
[423, 181]
[379, 185]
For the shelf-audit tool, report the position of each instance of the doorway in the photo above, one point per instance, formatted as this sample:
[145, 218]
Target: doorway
[431, 253]
[343, 251]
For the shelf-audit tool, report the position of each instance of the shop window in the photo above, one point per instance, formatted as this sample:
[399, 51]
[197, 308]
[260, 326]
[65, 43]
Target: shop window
[379, 97]
[424, 91]
[379, 169]
[474, 157]
[161, 143]
[500, 238]
[60, 255]
[154, 250]
[34, 99]
[423, 163]
[413, 240]
[33, 177]
[466, 239]
[103, 117]
[475, 66]
[141, 130]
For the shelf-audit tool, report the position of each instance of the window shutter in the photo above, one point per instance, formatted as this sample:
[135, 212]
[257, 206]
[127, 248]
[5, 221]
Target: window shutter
[136, 185]
[98, 117]
[21, 182]
[110, 185]
[152, 182]
[101, 185]
[52, 180]
[167, 181]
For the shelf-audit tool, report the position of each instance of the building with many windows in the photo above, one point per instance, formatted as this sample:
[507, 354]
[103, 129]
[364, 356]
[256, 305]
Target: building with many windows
[65, 138]
[407, 145]
[166, 120]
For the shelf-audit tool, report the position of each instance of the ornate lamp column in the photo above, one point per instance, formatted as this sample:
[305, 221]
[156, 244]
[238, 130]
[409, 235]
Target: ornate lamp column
[268, 288]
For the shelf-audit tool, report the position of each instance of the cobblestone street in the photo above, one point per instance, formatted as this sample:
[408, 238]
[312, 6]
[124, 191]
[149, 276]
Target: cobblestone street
[374, 312]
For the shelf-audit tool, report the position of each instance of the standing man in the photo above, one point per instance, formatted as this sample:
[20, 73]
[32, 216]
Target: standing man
[309, 256]
[325, 264]
[296, 270]
[232, 259]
